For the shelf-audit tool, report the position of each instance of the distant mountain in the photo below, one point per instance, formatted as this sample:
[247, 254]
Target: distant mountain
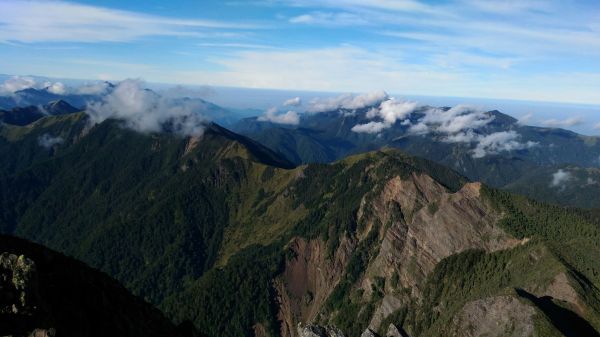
[21, 116]
[44, 293]
[26, 115]
[327, 136]
[41, 97]
[222, 231]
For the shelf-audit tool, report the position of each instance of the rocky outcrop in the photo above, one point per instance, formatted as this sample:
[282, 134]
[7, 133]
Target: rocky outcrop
[311, 330]
[368, 333]
[46, 294]
[394, 331]
[497, 316]
[18, 284]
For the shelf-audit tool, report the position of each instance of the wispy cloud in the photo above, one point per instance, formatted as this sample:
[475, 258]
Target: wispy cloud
[562, 123]
[236, 45]
[329, 19]
[52, 21]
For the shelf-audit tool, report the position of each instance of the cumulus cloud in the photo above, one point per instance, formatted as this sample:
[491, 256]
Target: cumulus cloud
[145, 111]
[560, 178]
[272, 115]
[392, 110]
[296, 101]
[459, 124]
[457, 119]
[557, 123]
[56, 88]
[498, 142]
[48, 141]
[389, 111]
[347, 102]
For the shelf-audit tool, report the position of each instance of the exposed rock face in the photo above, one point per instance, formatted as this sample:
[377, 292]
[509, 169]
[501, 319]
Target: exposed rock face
[311, 330]
[434, 225]
[427, 223]
[308, 279]
[389, 304]
[494, 317]
[423, 223]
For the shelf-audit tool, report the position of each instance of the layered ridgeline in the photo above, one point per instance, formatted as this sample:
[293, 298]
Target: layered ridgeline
[44, 293]
[217, 229]
[484, 146]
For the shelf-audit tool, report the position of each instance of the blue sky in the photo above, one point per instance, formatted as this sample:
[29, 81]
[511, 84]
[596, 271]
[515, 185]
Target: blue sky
[541, 50]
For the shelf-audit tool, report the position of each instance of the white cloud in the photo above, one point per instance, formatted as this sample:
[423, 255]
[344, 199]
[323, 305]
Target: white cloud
[597, 126]
[347, 101]
[146, 111]
[457, 119]
[56, 88]
[525, 119]
[329, 19]
[272, 115]
[392, 110]
[556, 123]
[389, 111]
[419, 129]
[371, 127]
[16, 83]
[296, 101]
[50, 21]
[504, 141]
[560, 178]
[49, 141]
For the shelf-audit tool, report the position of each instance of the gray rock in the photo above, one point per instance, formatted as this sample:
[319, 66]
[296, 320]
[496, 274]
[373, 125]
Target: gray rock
[368, 333]
[313, 330]
[393, 331]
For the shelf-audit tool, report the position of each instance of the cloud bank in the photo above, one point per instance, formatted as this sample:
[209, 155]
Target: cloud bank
[16, 83]
[347, 102]
[145, 111]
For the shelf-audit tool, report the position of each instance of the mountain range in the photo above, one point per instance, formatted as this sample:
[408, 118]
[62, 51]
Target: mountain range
[499, 150]
[222, 231]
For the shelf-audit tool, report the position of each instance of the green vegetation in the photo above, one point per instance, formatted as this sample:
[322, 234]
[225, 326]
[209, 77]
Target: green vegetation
[200, 228]
[229, 301]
